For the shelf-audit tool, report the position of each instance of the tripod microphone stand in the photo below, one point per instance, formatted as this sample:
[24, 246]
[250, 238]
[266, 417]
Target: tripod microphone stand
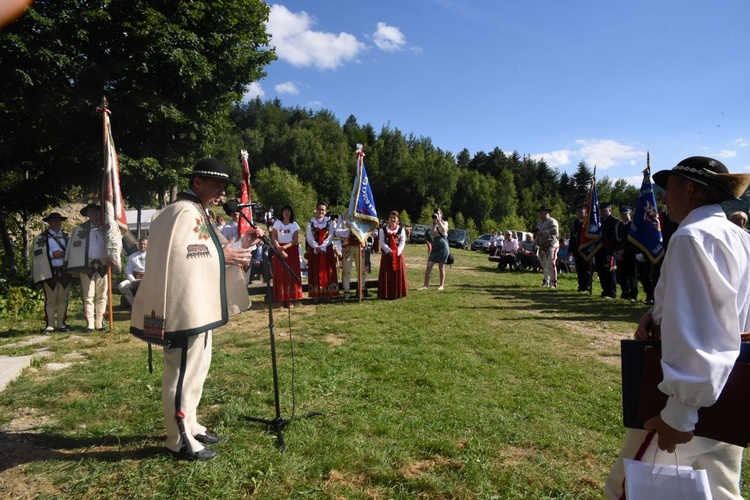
[277, 424]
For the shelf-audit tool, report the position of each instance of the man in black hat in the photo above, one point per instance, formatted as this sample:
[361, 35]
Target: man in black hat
[87, 256]
[546, 238]
[625, 252]
[48, 270]
[702, 305]
[194, 281]
[582, 265]
[605, 260]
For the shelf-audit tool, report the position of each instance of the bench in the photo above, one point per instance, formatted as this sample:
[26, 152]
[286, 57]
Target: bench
[259, 288]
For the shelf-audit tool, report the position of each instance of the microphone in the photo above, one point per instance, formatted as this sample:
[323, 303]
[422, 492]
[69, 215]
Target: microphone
[232, 206]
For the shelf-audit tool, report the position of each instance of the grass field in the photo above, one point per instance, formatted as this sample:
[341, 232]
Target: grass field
[493, 388]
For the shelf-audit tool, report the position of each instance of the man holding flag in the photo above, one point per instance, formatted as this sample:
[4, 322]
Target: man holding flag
[360, 221]
[646, 234]
[95, 246]
[590, 241]
[582, 265]
[86, 257]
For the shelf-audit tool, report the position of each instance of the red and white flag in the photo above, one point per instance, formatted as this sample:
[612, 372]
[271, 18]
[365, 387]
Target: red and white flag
[113, 209]
[243, 226]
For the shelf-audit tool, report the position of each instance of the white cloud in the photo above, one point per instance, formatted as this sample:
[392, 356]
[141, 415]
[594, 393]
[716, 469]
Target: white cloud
[287, 88]
[388, 38]
[314, 104]
[727, 153]
[554, 159]
[606, 153]
[300, 46]
[253, 90]
[740, 141]
[636, 180]
[602, 153]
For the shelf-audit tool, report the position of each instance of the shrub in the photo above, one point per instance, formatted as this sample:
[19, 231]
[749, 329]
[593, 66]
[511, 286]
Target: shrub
[21, 302]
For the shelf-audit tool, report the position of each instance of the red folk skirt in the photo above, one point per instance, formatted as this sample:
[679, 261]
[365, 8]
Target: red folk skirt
[392, 282]
[285, 287]
[322, 278]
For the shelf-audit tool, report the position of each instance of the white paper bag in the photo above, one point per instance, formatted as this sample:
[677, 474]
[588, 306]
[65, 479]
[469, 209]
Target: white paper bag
[646, 481]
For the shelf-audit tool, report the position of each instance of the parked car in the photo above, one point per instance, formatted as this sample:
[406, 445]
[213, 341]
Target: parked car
[458, 238]
[521, 235]
[483, 242]
[418, 233]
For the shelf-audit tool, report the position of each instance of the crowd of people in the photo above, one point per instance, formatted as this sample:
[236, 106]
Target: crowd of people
[618, 262]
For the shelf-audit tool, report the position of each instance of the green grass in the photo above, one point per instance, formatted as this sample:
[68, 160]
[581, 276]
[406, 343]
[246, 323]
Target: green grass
[493, 388]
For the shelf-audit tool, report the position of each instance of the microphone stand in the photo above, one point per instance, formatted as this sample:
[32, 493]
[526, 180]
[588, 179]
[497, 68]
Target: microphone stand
[277, 424]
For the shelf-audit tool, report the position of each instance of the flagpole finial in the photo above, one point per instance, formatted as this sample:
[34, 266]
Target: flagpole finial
[360, 153]
[103, 107]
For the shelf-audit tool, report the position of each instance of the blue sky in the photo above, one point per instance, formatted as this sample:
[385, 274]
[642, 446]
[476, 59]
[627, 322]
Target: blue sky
[601, 81]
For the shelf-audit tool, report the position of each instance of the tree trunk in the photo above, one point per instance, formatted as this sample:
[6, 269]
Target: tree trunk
[9, 262]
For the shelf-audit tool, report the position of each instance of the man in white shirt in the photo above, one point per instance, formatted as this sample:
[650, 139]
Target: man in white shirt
[702, 305]
[349, 255]
[231, 228]
[134, 272]
[87, 255]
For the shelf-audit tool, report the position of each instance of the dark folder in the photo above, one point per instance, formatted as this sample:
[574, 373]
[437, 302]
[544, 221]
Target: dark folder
[727, 420]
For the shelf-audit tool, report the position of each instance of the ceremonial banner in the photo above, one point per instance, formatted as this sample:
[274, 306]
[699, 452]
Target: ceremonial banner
[361, 218]
[113, 209]
[242, 224]
[645, 232]
[591, 233]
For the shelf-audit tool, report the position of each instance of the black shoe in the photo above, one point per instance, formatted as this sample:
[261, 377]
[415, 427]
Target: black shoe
[207, 437]
[89, 330]
[63, 328]
[199, 456]
[102, 329]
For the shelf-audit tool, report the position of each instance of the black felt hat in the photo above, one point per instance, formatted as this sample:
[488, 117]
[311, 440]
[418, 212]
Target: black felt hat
[707, 172]
[54, 216]
[84, 211]
[625, 209]
[208, 167]
[545, 208]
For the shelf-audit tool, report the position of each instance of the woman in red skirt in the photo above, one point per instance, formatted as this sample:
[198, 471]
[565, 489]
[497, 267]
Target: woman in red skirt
[392, 279]
[322, 275]
[285, 237]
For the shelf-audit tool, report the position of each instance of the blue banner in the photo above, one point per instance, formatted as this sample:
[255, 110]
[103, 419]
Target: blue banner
[645, 232]
[361, 218]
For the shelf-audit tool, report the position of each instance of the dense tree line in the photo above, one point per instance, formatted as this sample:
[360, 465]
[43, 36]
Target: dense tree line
[486, 191]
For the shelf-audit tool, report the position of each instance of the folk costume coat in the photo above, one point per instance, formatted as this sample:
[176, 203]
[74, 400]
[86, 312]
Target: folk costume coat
[183, 242]
[77, 253]
[41, 263]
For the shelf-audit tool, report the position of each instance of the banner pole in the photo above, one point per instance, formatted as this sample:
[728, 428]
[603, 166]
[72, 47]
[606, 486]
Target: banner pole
[102, 201]
[359, 272]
